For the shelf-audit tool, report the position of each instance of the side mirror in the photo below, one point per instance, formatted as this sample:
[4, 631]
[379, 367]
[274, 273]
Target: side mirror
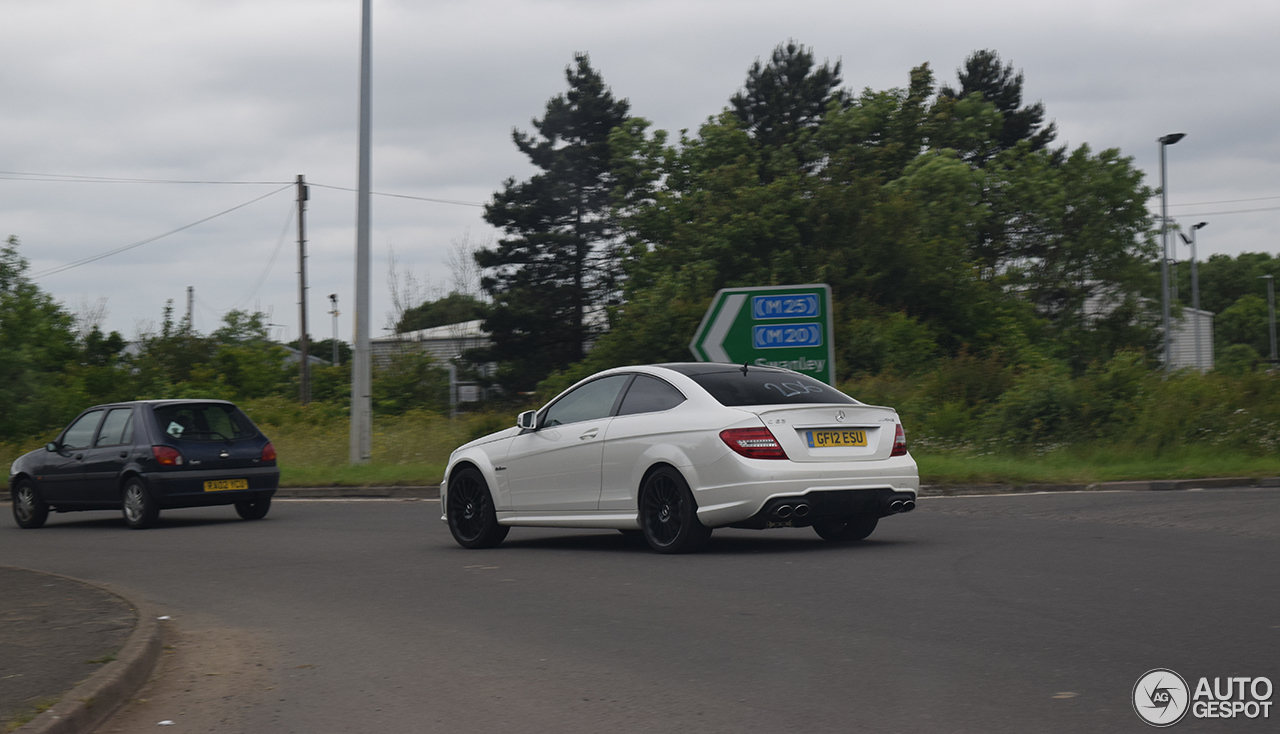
[51, 447]
[527, 420]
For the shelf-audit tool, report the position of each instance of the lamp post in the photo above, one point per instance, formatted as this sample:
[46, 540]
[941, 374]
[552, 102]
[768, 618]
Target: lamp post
[1165, 141]
[1195, 283]
[1271, 312]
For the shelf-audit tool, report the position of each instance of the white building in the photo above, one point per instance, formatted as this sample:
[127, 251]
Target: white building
[1183, 342]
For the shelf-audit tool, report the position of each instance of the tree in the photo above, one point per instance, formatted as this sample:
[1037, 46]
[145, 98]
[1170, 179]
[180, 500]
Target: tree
[37, 341]
[983, 75]
[557, 267]
[454, 308]
[785, 98]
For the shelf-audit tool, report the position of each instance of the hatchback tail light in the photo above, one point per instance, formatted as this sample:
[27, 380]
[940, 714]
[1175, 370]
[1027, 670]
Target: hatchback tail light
[167, 455]
[753, 443]
[268, 452]
[899, 442]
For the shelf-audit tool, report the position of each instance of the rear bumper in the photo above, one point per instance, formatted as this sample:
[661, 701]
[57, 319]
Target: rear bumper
[186, 488]
[738, 491]
[804, 510]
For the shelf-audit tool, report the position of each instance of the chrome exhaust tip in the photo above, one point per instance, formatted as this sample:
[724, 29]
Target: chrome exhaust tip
[782, 511]
[908, 505]
[895, 506]
[802, 509]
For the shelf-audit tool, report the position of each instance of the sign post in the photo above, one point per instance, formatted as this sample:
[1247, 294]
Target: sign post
[777, 326]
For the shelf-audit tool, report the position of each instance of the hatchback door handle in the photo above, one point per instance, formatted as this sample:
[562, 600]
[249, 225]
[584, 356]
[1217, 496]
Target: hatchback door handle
[591, 433]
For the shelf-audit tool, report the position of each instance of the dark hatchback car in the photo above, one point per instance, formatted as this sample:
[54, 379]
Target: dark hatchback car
[144, 456]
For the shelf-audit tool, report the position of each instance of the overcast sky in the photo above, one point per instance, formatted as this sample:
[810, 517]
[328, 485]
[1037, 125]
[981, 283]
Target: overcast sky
[238, 98]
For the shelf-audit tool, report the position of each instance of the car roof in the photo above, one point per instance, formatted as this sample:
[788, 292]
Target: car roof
[162, 401]
[690, 369]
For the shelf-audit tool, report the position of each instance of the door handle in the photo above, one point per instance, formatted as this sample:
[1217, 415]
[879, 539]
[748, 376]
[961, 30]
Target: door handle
[590, 433]
[124, 454]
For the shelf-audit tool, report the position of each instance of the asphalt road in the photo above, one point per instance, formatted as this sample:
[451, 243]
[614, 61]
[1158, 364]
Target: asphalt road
[1030, 613]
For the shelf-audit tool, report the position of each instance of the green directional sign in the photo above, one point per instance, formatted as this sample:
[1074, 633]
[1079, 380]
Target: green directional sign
[780, 326]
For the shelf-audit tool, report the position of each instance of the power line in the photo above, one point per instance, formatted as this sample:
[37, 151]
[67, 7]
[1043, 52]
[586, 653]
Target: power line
[1228, 201]
[402, 196]
[77, 178]
[118, 250]
[1237, 211]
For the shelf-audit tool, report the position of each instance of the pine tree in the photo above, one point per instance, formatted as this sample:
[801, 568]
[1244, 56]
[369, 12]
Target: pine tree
[558, 265]
[999, 85]
[785, 97]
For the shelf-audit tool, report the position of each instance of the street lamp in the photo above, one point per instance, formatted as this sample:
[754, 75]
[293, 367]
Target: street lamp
[1271, 311]
[1195, 282]
[1165, 141]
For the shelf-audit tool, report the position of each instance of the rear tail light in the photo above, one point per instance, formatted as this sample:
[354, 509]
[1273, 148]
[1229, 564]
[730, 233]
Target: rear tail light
[167, 455]
[753, 443]
[268, 452]
[899, 442]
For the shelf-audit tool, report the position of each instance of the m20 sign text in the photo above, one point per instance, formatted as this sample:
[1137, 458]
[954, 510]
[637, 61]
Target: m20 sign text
[781, 336]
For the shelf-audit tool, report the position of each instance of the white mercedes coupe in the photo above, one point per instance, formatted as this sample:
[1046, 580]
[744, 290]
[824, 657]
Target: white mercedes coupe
[672, 451]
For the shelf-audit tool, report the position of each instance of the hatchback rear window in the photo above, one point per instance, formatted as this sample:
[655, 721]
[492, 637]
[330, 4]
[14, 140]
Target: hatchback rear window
[207, 422]
[754, 386]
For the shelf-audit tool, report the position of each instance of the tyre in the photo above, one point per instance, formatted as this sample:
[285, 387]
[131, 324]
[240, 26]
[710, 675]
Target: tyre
[253, 509]
[139, 508]
[668, 514]
[846, 529]
[472, 518]
[29, 509]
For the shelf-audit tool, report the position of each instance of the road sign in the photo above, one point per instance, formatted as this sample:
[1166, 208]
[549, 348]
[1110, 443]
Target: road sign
[780, 326]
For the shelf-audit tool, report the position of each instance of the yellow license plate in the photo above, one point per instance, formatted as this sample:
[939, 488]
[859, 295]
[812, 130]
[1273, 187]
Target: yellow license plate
[847, 437]
[218, 485]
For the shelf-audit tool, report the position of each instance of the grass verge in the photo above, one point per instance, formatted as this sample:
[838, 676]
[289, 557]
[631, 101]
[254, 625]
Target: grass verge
[1086, 465]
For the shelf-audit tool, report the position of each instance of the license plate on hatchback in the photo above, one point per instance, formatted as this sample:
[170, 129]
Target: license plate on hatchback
[831, 439]
[218, 485]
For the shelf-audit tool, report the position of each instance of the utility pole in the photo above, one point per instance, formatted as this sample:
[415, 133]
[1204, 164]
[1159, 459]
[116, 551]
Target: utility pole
[361, 449]
[333, 300]
[304, 381]
[191, 303]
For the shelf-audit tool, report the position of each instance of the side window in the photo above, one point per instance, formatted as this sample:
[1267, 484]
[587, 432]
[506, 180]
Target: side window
[79, 435]
[117, 429]
[649, 395]
[592, 401]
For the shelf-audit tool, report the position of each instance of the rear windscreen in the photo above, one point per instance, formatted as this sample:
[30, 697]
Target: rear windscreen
[733, 387]
[211, 422]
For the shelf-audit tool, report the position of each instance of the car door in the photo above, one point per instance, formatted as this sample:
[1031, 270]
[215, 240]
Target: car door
[104, 461]
[643, 418]
[62, 476]
[557, 466]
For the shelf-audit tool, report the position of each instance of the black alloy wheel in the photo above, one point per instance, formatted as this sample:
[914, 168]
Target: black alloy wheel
[139, 509]
[845, 529]
[253, 509]
[472, 518]
[668, 514]
[29, 509]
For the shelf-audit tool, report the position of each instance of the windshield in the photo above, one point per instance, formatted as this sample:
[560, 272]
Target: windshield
[204, 422]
